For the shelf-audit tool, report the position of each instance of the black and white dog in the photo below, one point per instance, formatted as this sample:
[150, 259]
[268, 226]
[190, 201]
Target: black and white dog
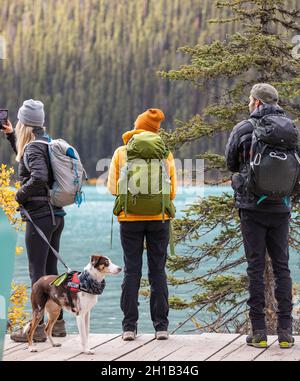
[53, 299]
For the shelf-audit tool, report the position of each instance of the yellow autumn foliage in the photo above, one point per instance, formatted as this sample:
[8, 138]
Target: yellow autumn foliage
[16, 313]
[19, 250]
[7, 195]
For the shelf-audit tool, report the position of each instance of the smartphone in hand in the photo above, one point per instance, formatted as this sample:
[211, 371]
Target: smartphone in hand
[3, 118]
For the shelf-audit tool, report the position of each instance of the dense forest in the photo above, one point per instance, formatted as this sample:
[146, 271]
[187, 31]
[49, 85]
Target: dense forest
[94, 64]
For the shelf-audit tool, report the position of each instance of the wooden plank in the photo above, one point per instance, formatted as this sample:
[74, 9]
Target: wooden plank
[21, 353]
[9, 344]
[114, 349]
[69, 349]
[158, 349]
[18, 347]
[238, 350]
[206, 345]
[275, 353]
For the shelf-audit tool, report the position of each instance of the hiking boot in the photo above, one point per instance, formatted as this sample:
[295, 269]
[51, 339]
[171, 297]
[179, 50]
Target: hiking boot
[258, 339]
[59, 329]
[21, 336]
[161, 335]
[285, 338]
[128, 336]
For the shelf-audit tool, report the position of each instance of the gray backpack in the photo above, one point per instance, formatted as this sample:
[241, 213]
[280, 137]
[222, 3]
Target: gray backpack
[68, 172]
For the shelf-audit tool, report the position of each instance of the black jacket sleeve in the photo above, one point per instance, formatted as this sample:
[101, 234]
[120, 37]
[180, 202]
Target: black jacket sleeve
[12, 139]
[39, 172]
[296, 191]
[240, 134]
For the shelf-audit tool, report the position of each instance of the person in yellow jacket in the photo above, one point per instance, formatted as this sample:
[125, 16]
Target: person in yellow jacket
[137, 228]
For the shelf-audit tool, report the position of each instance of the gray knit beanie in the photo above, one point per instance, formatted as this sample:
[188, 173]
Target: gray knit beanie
[265, 93]
[32, 113]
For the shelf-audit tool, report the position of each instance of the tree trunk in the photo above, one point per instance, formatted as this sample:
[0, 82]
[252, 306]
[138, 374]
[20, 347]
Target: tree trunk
[146, 8]
[271, 304]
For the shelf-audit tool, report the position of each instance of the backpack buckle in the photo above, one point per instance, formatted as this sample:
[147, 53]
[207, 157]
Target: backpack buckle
[257, 159]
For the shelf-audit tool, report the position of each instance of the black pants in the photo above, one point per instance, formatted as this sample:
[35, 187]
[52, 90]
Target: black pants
[133, 235]
[41, 259]
[267, 232]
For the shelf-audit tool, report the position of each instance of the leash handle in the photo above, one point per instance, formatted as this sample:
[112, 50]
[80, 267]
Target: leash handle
[42, 235]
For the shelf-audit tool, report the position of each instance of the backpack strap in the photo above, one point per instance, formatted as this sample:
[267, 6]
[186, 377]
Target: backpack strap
[126, 195]
[25, 159]
[164, 176]
[171, 241]
[162, 193]
[253, 121]
[40, 198]
[111, 230]
[297, 156]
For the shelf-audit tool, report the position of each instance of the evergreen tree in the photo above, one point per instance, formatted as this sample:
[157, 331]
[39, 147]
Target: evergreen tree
[261, 51]
[93, 63]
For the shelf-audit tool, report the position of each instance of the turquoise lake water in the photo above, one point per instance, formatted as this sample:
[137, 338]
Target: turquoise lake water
[87, 231]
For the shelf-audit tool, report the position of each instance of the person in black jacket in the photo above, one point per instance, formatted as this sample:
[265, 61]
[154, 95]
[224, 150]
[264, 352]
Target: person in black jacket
[264, 225]
[36, 179]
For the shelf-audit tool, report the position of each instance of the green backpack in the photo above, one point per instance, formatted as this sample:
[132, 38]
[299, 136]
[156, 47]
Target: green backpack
[144, 186]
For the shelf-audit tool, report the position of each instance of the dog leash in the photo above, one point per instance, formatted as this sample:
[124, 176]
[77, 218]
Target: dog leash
[42, 235]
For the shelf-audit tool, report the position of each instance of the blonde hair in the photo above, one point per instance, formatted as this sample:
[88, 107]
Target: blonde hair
[24, 135]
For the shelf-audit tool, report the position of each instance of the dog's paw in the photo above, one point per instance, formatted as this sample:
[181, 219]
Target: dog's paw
[56, 345]
[89, 352]
[32, 349]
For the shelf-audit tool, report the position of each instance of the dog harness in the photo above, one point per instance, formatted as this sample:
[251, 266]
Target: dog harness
[75, 282]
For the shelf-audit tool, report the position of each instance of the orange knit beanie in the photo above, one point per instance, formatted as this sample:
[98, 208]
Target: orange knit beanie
[150, 120]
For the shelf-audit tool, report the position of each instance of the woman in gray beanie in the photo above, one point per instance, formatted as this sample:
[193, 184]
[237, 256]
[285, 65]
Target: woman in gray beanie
[33, 196]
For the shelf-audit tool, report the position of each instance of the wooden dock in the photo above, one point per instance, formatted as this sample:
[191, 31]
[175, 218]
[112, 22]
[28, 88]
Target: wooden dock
[110, 347]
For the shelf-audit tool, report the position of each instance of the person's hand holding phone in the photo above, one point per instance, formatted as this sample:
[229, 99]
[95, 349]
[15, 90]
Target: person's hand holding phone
[7, 128]
[5, 124]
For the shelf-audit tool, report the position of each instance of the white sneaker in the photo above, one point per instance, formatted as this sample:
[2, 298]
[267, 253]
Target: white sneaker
[161, 335]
